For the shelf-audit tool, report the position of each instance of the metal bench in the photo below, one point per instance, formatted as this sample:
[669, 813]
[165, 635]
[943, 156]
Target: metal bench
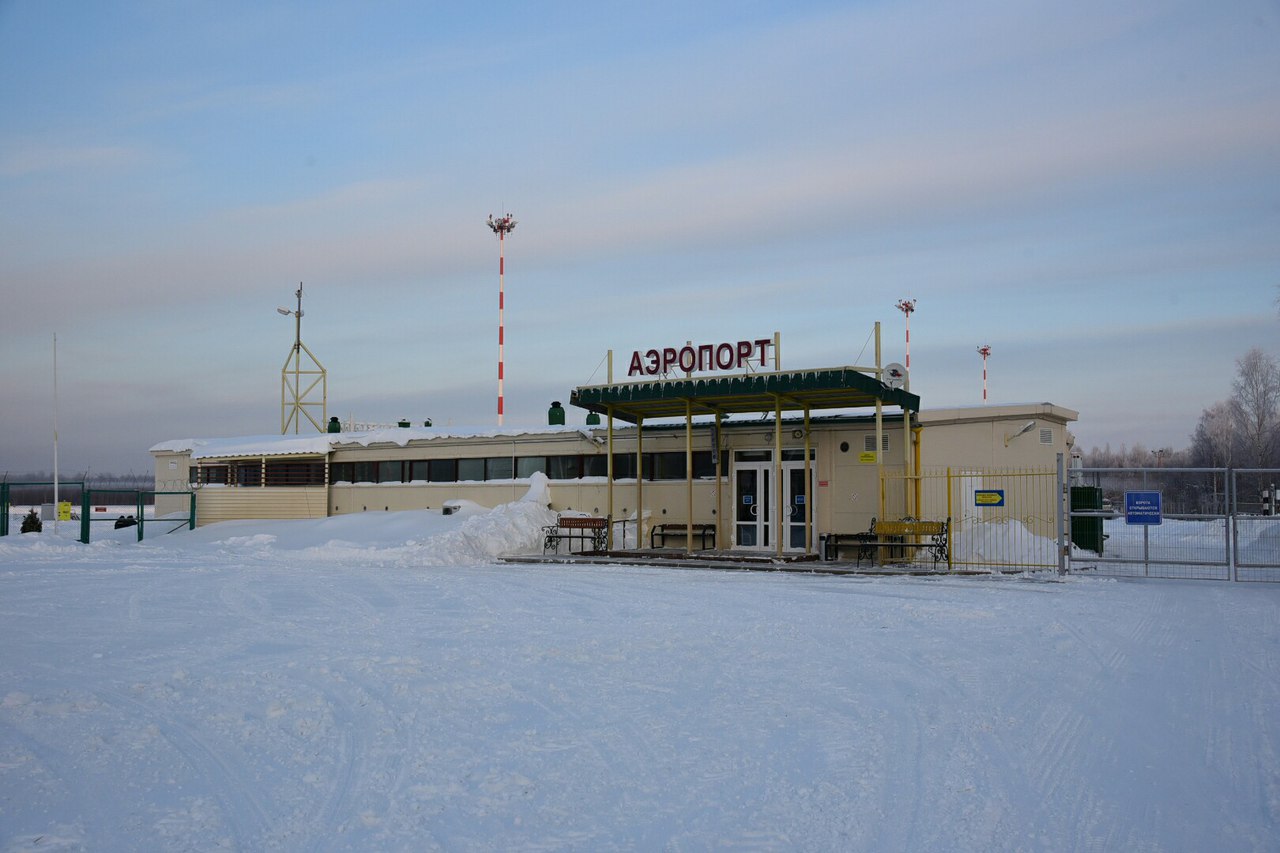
[590, 530]
[906, 536]
[681, 530]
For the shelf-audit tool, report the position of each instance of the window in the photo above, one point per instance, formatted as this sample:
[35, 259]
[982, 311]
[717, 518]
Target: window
[211, 474]
[667, 466]
[624, 466]
[418, 470]
[704, 464]
[527, 465]
[365, 472]
[596, 466]
[249, 473]
[295, 473]
[342, 472]
[470, 469]
[499, 468]
[564, 467]
[442, 470]
[389, 472]
[869, 442]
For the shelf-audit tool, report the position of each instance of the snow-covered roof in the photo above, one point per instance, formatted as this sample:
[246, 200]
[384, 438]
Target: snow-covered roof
[323, 443]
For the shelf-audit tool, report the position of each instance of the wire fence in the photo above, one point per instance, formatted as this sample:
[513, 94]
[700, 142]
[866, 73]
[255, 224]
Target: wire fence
[999, 517]
[1209, 523]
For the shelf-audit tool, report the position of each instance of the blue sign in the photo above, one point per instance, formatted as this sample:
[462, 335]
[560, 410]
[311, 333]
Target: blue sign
[988, 497]
[1142, 508]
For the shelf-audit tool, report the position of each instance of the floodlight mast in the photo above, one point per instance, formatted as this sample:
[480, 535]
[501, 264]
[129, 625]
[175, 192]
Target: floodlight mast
[906, 306]
[984, 351]
[293, 402]
[501, 226]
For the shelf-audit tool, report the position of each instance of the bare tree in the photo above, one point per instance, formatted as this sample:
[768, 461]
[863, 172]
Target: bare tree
[1255, 407]
[1214, 444]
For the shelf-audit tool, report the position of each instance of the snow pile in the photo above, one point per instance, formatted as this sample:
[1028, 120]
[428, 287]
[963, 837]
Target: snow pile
[513, 528]
[470, 535]
[1007, 542]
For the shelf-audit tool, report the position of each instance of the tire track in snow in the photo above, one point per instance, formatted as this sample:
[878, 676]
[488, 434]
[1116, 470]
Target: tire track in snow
[245, 816]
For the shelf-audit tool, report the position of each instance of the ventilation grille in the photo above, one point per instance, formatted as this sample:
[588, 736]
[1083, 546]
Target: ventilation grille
[869, 442]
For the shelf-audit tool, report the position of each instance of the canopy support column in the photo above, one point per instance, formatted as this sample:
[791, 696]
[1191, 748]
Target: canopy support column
[688, 471]
[715, 450]
[639, 482]
[608, 467]
[808, 488]
[778, 521]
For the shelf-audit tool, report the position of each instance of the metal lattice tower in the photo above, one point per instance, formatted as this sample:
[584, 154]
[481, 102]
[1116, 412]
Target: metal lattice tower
[294, 398]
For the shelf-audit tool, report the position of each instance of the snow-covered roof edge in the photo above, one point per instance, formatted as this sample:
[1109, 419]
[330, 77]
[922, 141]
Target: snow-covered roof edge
[320, 444]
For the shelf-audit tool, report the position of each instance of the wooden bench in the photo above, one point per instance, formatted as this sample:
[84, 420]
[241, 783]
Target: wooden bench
[909, 533]
[681, 530]
[590, 530]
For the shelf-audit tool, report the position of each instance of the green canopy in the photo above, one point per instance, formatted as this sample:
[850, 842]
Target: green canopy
[828, 388]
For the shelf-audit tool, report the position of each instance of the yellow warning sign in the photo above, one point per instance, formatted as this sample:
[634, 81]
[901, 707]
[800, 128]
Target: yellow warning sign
[988, 497]
[867, 457]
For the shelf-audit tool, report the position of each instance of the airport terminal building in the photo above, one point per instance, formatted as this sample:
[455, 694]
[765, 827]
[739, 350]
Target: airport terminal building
[770, 461]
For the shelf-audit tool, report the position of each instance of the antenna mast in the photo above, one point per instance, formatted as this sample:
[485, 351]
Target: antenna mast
[906, 306]
[984, 351]
[294, 405]
[501, 226]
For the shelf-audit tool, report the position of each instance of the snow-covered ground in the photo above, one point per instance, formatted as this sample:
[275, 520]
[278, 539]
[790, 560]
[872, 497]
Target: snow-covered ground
[380, 682]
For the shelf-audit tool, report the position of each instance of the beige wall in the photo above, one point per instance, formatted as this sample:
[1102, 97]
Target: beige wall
[173, 474]
[228, 503]
[847, 493]
[987, 437]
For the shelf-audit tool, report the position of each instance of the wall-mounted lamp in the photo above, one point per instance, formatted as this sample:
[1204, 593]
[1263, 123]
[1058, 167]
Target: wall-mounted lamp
[1025, 428]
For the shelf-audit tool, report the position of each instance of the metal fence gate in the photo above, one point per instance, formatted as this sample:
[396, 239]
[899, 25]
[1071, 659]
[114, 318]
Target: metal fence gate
[1255, 524]
[1214, 523]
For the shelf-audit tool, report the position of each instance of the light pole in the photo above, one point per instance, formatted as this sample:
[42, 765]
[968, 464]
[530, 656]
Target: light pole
[501, 226]
[1159, 455]
[984, 351]
[293, 402]
[906, 306]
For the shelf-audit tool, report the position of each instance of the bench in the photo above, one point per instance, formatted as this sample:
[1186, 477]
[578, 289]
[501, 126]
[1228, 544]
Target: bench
[590, 530]
[674, 528]
[909, 533]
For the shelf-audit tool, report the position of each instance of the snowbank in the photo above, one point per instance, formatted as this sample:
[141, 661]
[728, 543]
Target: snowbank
[342, 685]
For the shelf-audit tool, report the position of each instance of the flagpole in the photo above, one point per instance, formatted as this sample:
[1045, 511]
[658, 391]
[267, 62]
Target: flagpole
[55, 433]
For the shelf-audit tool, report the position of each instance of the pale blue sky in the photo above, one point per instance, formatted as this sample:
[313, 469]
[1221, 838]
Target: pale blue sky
[1091, 188]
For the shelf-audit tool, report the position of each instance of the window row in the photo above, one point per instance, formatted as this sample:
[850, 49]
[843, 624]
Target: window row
[656, 466]
[257, 473]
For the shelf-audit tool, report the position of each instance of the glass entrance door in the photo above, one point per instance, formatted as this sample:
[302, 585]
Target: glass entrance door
[754, 521]
[752, 501]
[796, 495]
[753, 498]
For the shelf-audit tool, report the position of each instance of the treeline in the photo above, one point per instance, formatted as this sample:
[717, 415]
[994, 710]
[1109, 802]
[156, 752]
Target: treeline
[36, 487]
[1242, 431]
[1137, 456]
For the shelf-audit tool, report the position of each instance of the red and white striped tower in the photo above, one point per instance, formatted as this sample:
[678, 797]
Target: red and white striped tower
[501, 226]
[906, 306]
[984, 351]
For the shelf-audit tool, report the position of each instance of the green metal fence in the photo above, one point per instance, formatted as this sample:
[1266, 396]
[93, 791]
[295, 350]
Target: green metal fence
[138, 500]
